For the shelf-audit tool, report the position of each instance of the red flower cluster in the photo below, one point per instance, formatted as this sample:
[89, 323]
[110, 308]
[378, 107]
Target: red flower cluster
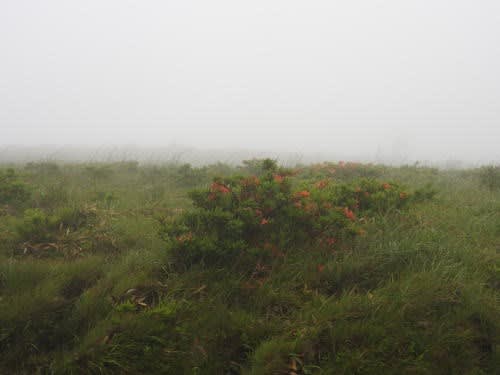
[330, 241]
[349, 214]
[322, 184]
[217, 187]
[386, 186]
[220, 188]
[278, 178]
[303, 194]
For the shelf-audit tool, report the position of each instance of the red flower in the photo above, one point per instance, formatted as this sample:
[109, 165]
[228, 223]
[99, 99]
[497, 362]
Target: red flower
[278, 178]
[264, 221]
[386, 186]
[330, 241]
[310, 207]
[221, 188]
[349, 214]
[303, 194]
[321, 267]
[321, 184]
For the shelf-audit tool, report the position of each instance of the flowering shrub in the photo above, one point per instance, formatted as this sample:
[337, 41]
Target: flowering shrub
[241, 217]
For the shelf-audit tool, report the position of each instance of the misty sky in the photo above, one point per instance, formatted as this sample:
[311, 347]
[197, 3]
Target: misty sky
[417, 79]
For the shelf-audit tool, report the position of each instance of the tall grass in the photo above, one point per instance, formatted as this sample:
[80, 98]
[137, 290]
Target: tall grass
[417, 293]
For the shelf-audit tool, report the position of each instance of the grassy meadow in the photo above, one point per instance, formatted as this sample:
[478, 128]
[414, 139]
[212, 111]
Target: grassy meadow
[332, 268]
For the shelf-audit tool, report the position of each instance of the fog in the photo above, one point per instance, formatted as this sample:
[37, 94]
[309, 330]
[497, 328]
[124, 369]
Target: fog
[371, 80]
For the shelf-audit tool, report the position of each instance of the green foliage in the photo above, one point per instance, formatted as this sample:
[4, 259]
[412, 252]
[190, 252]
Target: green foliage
[12, 190]
[258, 166]
[37, 226]
[332, 268]
[46, 168]
[490, 177]
[341, 171]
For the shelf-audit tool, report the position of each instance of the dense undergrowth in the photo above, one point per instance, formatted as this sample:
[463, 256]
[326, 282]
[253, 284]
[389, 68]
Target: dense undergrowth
[334, 268]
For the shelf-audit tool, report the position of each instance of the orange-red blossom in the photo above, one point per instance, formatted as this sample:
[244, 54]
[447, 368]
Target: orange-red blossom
[349, 214]
[221, 188]
[278, 178]
[322, 184]
[185, 237]
[303, 194]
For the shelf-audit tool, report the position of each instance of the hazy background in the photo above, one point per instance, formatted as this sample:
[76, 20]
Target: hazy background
[373, 80]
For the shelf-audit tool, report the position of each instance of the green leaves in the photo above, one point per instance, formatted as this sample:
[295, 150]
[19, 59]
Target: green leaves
[12, 190]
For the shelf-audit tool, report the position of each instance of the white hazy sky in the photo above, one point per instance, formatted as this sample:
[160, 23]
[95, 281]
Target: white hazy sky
[414, 78]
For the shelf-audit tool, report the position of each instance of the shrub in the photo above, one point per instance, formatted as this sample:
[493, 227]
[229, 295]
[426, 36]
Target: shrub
[186, 175]
[490, 176]
[37, 226]
[51, 233]
[43, 168]
[12, 190]
[241, 218]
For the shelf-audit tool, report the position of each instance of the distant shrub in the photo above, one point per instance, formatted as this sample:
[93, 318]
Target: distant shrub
[51, 196]
[341, 171]
[98, 173]
[257, 166]
[186, 175]
[12, 190]
[490, 176]
[43, 168]
[128, 166]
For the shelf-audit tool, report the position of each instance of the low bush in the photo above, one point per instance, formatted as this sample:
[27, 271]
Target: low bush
[490, 177]
[13, 191]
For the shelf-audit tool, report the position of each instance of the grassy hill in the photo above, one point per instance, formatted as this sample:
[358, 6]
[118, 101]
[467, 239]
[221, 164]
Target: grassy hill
[333, 268]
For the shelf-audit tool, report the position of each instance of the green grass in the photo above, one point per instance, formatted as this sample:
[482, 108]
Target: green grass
[417, 294]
